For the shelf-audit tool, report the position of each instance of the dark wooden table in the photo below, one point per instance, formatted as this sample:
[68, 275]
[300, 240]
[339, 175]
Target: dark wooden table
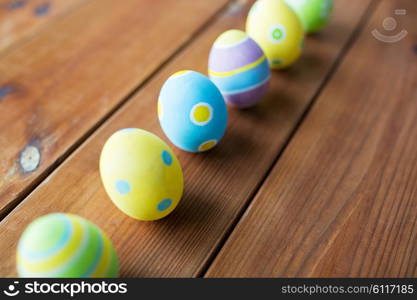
[319, 179]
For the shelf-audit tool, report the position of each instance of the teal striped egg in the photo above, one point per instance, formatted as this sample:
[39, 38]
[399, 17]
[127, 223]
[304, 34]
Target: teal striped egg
[65, 245]
[239, 68]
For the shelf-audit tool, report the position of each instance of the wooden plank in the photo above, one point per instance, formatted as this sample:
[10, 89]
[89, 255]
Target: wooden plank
[21, 18]
[58, 86]
[342, 199]
[218, 183]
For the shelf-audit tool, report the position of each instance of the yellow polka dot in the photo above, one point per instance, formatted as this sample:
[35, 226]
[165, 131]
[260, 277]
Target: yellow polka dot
[160, 110]
[201, 113]
[207, 145]
[179, 73]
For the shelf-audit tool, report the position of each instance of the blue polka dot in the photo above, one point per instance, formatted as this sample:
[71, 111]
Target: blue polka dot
[123, 187]
[167, 158]
[164, 204]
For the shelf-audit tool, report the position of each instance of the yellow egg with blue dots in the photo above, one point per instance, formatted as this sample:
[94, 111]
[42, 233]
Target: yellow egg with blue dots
[65, 245]
[141, 174]
[277, 30]
[192, 111]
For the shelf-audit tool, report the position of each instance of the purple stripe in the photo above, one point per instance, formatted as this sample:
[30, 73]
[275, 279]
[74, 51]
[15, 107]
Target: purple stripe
[248, 98]
[232, 58]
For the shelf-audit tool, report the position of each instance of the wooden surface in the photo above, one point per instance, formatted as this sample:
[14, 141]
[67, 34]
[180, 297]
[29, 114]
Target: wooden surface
[21, 19]
[59, 85]
[342, 199]
[279, 216]
[218, 183]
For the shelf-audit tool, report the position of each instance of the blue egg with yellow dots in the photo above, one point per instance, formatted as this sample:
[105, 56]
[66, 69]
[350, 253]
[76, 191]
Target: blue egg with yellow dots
[192, 111]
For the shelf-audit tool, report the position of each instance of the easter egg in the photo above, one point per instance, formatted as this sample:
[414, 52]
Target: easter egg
[141, 174]
[192, 111]
[65, 245]
[277, 29]
[239, 68]
[314, 14]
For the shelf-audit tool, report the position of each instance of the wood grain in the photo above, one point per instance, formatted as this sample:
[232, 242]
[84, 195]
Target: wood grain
[58, 86]
[342, 199]
[218, 183]
[20, 19]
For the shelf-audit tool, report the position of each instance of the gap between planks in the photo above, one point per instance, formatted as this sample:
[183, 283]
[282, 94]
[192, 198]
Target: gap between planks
[338, 201]
[352, 39]
[178, 260]
[74, 74]
[61, 159]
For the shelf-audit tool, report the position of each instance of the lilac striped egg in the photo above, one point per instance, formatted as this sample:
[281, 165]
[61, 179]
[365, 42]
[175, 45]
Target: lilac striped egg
[239, 68]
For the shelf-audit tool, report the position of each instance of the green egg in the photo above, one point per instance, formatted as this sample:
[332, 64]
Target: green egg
[65, 245]
[314, 14]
